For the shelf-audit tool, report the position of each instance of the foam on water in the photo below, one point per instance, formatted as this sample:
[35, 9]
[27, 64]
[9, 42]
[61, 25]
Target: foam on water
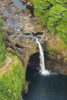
[42, 69]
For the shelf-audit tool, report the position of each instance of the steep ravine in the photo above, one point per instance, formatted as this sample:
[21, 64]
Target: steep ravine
[54, 48]
[18, 25]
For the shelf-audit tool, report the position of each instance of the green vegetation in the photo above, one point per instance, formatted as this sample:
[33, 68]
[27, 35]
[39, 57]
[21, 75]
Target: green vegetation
[38, 26]
[12, 80]
[53, 14]
[50, 54]
[60, 46]
[2, 50]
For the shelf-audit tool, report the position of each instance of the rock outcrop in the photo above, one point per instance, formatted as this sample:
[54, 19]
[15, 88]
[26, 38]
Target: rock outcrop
[23, 47]
[6, 2]
[17, 41]
[27, 2]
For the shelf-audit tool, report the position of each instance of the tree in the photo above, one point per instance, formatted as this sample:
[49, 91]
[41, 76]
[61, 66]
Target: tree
[53, 14]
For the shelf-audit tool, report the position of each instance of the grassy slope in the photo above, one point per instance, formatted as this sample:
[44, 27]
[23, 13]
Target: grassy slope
[12, 80]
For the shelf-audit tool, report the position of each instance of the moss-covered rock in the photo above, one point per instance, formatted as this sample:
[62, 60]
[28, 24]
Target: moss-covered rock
[56, 56]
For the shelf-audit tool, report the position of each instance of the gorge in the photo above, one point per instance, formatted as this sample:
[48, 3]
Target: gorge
[18, 26]
[25, 36]
[43, 83]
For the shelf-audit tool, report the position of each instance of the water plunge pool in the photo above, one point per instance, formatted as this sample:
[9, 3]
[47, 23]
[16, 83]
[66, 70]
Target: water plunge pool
[53, 87]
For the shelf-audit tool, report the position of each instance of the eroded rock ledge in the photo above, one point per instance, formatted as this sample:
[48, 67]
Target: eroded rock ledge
[23, 47]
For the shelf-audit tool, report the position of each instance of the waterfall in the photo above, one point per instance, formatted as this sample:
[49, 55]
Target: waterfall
[43, 70]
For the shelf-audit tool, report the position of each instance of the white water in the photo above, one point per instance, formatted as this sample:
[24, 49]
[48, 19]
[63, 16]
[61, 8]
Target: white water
[43, 70]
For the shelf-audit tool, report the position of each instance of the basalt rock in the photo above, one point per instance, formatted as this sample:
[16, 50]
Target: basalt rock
[25, 90]
[7, 2]
[27, 2]
[56, 57]
[30, 24]
[23, 47]
[56, 66]
[24, 1]
[1, 4]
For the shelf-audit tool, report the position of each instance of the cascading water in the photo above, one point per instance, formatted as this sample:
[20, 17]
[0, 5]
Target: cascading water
[43, 70]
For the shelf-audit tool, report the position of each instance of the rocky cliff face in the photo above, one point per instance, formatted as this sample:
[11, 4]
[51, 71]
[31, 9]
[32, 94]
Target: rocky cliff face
[19, 41]
[55, 49]
[23, 47]
[14, 39]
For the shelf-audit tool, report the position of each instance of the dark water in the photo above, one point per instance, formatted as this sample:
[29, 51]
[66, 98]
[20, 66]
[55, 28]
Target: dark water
[53, 87]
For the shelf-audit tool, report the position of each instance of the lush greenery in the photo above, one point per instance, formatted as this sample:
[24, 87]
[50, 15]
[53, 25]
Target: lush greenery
[12, 80]
[2, 54]
[53, 14]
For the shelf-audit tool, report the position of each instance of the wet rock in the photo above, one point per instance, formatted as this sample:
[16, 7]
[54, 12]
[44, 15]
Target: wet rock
[17, 9]
[5, 27]
[14, 9]
[26, 12]
[29, 4]
[1, 4]
[10, 32]
[56, 66]
[25, 90]
[28, 28]
[24, 1]
[23, 46]
[7, 2]
[1, 12]
[29, 24]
